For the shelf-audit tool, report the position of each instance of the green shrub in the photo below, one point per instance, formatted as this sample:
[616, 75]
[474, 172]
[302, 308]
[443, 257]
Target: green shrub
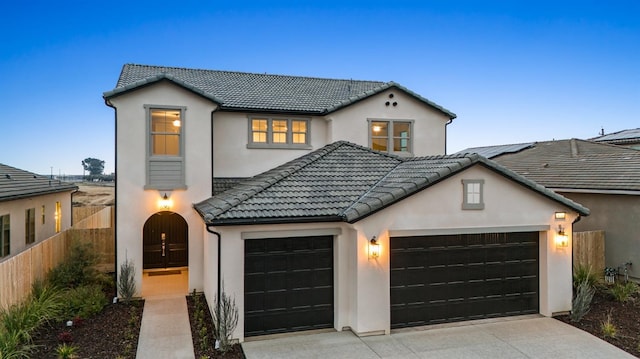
[126, 280]
[66, 351]
[582, 273]
[608, 328]
[78, 269]
[582, 301]
[623, 292]
[83, 302]
[12, 347]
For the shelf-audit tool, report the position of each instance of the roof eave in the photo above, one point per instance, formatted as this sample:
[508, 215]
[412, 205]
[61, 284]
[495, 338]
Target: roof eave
[37, 193]
[279, 220]
[154, 80]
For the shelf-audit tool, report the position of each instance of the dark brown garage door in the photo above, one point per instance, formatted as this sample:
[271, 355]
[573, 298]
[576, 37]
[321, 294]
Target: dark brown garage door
[448, 278]
[288, 284]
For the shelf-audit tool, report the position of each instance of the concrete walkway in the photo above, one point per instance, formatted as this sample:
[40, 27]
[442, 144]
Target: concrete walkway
[530, 337]
[165, 331]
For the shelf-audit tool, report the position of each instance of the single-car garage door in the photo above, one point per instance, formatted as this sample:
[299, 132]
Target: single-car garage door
[288, 284]
[448, 278]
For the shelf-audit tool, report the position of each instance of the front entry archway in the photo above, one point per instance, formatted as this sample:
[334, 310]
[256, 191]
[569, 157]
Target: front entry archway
[165, 241]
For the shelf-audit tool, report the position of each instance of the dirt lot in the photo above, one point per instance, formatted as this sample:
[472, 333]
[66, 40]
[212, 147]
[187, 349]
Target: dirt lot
[90, 194]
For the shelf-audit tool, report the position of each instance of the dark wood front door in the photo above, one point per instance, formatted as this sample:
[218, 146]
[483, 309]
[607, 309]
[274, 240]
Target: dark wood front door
[165, 238]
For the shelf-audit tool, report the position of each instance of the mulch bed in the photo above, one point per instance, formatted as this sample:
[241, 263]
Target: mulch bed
[625, 316]
[207, 350]
[113, 333]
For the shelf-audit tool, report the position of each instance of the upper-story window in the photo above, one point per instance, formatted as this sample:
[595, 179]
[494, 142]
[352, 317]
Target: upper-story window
[5, 232]
[165, 151]
[393, 136]
[473, 194]
[278, 132]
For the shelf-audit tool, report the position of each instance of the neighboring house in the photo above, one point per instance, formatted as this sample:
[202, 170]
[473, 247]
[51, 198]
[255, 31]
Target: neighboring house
[32, 208]
[627, 138]
[332, 164]
[605, 178]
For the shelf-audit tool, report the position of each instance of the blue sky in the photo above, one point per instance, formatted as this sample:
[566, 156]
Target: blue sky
[513, 71]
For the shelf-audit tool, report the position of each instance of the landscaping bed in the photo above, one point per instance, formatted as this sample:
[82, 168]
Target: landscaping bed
[624, 316]
[112, 333]
[202, 331]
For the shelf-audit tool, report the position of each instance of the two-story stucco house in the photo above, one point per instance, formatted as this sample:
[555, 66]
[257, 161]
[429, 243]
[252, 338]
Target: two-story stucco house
[325, 203]
[32, 208]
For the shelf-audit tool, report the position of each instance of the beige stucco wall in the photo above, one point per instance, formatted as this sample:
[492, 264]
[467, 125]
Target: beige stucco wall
[350, 123]
[134, 204]
[618, 215]
[362, 297]
[17, 216]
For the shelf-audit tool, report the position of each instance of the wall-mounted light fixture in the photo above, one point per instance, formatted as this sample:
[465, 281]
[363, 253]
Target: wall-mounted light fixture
[561, 215]
[165, 203]
[562, 240]
[374, 248]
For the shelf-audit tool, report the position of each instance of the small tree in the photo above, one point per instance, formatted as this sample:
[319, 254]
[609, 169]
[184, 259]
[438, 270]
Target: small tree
[126, 280]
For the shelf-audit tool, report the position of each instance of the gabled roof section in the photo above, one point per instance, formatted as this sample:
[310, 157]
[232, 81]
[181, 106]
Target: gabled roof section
[17, 184]
[577, 165]
[494, 151]
[620, 137]
[342, 182]
[241, 91]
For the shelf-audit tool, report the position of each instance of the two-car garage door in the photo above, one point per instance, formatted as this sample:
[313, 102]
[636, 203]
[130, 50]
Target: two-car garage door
[448, 278]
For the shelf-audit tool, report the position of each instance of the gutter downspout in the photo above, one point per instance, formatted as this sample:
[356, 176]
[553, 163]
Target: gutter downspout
[445, 134]
[114, 219]
[219, 269]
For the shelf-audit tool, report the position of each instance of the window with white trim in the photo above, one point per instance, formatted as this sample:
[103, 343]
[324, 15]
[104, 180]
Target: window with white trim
[473, 194]
[5, 235]
[278, 132]
[392, 136]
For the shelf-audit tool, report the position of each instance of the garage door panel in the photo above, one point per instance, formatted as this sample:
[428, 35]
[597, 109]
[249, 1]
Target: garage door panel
[463, 277]
[288, 284]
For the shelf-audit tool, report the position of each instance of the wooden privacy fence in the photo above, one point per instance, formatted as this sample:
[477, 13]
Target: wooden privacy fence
[588, 250]
[18, 273]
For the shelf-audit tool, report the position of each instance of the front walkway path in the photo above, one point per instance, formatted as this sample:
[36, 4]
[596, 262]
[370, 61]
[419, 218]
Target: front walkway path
[165, 331]
[536, 337]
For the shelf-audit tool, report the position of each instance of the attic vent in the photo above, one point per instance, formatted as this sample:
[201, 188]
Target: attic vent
[8, 176]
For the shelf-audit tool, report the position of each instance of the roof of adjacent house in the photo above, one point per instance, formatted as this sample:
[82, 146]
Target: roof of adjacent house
[620, 137]
[575, 165]
[343, 182]
[242, 91]
[16, 184]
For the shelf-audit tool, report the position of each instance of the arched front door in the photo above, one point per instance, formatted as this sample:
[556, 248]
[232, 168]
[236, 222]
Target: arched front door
[165, 238]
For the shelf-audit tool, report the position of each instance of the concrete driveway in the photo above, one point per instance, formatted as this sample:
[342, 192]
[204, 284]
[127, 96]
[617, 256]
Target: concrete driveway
[520, 337]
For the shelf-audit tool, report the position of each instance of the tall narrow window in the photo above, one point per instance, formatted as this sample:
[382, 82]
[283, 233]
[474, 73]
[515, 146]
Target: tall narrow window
[30, 225]
[58, 217]
[390, 136]
[279, 131]
[299, 131]
[473, 196]
[4, 236]
[166, 128]
[43, 214]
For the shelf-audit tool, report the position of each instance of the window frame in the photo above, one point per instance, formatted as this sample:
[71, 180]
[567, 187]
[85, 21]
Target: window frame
[58, 217]
[5, 241]
[466, 203]
[270, 132]
[159, 159]
[390, 137]
[29, 226]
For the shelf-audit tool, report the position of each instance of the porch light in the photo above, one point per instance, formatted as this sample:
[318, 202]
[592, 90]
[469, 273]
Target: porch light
[562, 240]
[374, 248]
[165, 203]
[561, 215]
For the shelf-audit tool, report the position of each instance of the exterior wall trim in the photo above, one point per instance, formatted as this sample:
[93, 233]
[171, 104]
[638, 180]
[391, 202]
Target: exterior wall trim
[471, 230]
[291, 233]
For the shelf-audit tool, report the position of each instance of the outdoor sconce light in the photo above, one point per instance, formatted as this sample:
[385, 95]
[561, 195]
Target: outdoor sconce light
[562, 240]
[165, 203]
[374, 248]
[561, 215]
